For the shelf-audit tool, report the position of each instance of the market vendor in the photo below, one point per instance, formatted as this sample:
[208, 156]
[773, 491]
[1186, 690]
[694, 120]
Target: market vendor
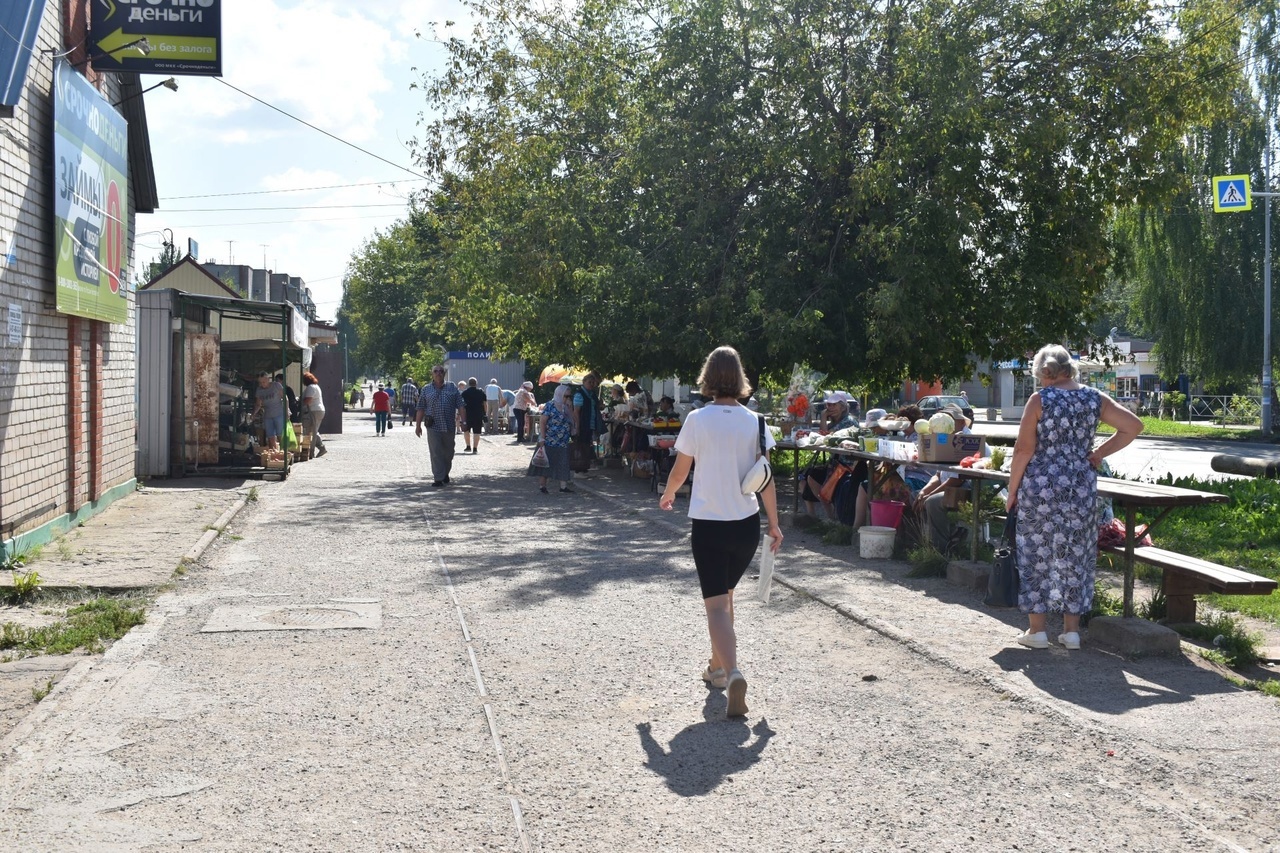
[899, 482]
[838, 410]
[942, 493]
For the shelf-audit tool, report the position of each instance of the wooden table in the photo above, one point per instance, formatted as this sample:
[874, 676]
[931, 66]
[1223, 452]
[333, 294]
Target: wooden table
[1129, 495]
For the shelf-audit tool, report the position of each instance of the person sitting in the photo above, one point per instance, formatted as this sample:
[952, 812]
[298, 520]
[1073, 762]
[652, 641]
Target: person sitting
[941, 493]
[837, 412]
[898, 483]
[838, 409]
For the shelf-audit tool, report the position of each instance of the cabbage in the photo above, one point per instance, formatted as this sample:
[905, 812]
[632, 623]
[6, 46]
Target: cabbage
[922, 427]
[942, 424]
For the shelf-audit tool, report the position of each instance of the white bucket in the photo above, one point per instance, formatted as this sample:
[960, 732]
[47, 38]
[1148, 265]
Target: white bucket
[876, 543]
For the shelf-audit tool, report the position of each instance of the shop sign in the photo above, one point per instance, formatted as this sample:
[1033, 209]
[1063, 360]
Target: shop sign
[481, 355]
[184, 37]
[91, 199]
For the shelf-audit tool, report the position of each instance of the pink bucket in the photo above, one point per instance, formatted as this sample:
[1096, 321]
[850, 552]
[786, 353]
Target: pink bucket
[887, 513]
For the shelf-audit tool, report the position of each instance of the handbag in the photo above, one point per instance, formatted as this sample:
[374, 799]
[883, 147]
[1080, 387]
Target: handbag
[1002, 583]
[540, 459]
[834, 476]
[760, 475]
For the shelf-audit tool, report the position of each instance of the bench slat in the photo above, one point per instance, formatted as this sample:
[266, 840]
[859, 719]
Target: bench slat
[1219, 578]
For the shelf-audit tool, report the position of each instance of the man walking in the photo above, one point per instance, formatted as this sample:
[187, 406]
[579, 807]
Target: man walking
[586, 411]
[408, 400]
[493, 402]
[438, 405]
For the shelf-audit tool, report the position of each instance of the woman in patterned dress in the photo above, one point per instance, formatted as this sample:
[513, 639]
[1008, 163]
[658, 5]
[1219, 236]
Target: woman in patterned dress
[557, 430]
[1053, 485]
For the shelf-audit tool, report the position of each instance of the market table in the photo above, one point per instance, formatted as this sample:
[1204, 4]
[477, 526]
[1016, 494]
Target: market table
[1131, 495]
[650, 434]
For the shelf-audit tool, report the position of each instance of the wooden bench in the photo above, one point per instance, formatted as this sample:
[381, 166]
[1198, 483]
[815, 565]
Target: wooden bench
[1186, 577]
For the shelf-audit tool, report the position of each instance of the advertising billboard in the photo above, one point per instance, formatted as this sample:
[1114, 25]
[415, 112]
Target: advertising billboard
[184, 37]
[90, 199]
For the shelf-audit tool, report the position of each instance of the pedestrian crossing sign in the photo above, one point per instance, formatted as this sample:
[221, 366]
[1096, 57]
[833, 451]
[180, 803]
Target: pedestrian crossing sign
[1231, 194]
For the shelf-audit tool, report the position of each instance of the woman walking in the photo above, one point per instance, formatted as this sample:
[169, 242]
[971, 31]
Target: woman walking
[312, 406]
[1053, 485]
[557, 432]
[723, 439]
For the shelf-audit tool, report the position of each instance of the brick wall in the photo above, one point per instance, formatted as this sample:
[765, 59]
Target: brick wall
[43, 473]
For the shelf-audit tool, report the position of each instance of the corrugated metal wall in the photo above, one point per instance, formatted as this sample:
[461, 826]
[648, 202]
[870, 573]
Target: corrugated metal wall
[508, 373]
[155, 382]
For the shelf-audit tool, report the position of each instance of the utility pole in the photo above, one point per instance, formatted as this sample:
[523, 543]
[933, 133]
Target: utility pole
[231, 259]
[1266, 299]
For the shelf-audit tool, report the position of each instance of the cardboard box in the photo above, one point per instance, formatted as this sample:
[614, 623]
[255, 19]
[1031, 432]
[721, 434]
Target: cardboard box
[948, 448]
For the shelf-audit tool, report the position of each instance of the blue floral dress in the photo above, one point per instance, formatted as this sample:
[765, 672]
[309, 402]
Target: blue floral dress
[1057, 540]
[559, 433]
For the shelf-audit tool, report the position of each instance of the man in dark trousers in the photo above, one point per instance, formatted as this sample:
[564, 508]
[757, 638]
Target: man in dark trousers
[438, 406]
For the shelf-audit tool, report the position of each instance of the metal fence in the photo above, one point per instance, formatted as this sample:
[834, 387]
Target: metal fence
[1240, 409]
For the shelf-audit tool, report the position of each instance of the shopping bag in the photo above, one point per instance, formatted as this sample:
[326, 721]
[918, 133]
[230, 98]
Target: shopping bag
[1002, 583]
[834, 474]
[540, 459]
[766, 571]
[290, 440]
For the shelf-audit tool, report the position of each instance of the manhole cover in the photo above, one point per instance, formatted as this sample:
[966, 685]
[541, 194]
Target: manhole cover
[306, 617]
[301, 617]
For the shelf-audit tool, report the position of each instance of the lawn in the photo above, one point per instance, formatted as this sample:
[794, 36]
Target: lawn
[1157, 428]
[1244, 533]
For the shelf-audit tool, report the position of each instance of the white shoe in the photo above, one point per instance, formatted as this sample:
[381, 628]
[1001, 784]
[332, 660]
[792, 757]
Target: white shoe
[1069, 641]
[736, 689]
[1038, 640]
[715, 678]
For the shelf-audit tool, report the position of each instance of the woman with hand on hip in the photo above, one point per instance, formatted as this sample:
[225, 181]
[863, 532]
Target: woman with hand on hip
[723, 438]
[1053, 485]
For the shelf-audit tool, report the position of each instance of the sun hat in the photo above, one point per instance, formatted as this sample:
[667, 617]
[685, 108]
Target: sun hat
[837, 397]
[873, 418]
[957, 414]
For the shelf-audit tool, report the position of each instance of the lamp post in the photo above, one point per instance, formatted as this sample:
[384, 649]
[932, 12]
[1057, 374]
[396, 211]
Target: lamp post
[171, 84]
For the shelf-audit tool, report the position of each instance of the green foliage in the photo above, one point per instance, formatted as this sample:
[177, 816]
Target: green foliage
[26, 586]
[1228, 636]
[85, 626]
[1105, 602]
[1270, 686]
[836, 534]
[628, 184]
[926, 562]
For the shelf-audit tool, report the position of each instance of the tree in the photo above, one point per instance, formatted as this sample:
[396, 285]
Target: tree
[885, 189]
[1195, 277]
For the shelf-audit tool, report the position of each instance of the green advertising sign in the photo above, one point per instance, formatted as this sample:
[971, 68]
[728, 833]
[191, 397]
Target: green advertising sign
[90, 199]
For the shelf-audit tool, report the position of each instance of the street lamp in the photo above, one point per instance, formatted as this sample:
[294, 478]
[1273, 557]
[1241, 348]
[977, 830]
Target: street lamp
[171, 84]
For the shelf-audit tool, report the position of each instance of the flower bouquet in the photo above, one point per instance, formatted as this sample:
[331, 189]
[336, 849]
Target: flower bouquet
[803, 383]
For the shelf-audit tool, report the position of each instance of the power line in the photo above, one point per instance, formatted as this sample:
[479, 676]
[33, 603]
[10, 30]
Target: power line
[281, 221]
[296, 189]
[322, 130]
[296, 207]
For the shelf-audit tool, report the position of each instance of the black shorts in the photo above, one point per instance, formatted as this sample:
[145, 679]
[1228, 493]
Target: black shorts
[722, 550]
[475, 425]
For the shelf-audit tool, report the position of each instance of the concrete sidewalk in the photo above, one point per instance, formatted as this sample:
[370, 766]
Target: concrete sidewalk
[532, 685]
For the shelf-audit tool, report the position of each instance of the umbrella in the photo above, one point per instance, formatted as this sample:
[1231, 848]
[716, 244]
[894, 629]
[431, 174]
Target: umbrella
[554, 373]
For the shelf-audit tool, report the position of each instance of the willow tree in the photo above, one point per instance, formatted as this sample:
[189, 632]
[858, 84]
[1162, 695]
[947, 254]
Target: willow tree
[880, 187]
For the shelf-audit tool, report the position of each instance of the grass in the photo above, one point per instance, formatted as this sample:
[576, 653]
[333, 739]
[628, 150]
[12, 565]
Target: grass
[86, 626]
[38, 693]
[1232, 644]
[927, 562]
[1157, 428]
[252, 497]
[1244, 533]
[26, 586]
[1271, 687]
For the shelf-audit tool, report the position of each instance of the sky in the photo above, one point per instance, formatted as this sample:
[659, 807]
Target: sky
[252, 186]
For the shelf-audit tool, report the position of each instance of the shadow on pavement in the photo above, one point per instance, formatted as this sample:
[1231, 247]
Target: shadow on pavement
[703, 755]
[1107, 684]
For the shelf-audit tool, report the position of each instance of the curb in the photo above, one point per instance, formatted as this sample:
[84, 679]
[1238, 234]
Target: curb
[215, 530]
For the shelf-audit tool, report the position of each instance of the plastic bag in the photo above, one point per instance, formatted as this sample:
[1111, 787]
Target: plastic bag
[289, 440]
[766, 570]
[540, 458]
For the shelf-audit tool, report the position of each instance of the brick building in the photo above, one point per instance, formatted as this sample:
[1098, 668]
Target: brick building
[67, 382]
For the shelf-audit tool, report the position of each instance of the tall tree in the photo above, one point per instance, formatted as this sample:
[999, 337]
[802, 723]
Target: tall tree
[883, 188]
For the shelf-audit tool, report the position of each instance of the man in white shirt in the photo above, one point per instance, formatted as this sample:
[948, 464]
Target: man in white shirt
[493, 402]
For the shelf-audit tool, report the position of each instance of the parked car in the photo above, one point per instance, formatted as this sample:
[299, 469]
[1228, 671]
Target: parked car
[930, 406]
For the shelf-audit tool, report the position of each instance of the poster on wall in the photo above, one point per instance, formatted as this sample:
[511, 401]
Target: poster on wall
[90, 199]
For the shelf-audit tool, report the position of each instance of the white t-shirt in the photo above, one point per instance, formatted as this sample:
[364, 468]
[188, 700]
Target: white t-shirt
[723, 441]
[312, 398]
[493, 393]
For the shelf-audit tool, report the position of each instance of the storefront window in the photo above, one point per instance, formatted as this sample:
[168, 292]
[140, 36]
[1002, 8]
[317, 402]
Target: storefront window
[1023, 387]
